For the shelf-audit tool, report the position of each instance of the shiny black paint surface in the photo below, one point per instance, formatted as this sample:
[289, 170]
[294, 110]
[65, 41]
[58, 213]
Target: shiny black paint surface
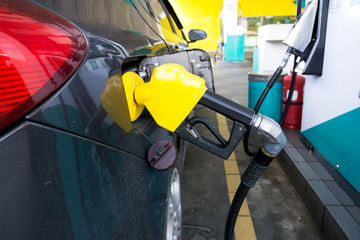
[77, 107]
[57, 185]
[118, 21]
[67, 170]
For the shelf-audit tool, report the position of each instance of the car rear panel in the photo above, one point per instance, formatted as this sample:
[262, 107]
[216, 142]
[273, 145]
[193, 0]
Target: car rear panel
[77, 108]
[57, 185]
[116, 20]
[67, 170]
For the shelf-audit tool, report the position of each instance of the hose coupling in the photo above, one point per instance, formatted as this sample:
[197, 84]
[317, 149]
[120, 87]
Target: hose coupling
[274, 137]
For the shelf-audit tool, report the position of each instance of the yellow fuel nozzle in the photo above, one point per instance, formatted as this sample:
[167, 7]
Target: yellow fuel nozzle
[170, 95]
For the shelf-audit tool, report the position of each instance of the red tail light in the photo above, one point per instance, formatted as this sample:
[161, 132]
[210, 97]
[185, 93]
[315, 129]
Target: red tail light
[38, 52]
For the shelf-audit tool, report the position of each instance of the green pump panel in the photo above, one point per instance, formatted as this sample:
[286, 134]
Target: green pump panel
[331, 110]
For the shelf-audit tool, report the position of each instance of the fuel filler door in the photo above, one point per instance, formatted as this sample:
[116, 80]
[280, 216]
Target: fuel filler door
[195, 61]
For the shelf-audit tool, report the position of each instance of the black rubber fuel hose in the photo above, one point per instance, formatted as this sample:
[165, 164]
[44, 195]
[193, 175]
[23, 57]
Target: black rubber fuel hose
[246, 144]
[269, 85]
[289, 98]
[257, 166]
[234, 210]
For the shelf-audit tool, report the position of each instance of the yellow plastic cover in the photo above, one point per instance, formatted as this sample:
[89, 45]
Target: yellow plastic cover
[131, 80]
[170, 95]
[113, 100]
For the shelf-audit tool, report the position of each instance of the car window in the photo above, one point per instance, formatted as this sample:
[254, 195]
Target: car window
[158, 10]
[160, 14]
[177, 30]
[145, 4]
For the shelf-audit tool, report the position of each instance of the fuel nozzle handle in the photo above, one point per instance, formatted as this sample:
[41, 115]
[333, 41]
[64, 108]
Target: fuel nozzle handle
[241, 116]
[243, 119]
[274, 138]
[170, 96]
[228, 108]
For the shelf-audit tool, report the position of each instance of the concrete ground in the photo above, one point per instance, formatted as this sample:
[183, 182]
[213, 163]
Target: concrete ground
[275, 209]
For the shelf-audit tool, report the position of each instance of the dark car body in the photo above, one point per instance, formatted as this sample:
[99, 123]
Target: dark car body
[67, 169]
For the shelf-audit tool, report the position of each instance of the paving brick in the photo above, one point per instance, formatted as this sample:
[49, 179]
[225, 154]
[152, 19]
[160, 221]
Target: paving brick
[307, 171]
[350, 190]
[289, 144]
[320, 170]
[339, 224]
[314, 204]
[340, 193]
[332, 201]
[323, 192]
[354, 212]
[310, 157]
[294, 137]
[299, 181]
[286, 162]
[295, 155]
[316, 197]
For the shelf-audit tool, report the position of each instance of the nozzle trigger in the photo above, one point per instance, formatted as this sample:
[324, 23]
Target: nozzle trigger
[192, 131]
[222, 148]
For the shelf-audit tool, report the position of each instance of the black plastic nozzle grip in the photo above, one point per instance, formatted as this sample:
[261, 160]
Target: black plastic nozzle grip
[242, 117]
[223, 148]
[228, 108]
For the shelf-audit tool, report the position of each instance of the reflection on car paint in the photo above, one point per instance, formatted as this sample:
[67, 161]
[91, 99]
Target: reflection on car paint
[78, 107]
[121, 24]
[77, 189]
[109, 192]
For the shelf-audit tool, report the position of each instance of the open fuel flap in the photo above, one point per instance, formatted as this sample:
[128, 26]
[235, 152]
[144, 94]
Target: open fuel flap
[195, 61]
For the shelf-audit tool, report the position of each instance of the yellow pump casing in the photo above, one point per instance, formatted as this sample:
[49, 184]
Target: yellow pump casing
[170, 95]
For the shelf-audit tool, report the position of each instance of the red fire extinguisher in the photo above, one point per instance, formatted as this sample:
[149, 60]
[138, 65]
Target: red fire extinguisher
[293, 118]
